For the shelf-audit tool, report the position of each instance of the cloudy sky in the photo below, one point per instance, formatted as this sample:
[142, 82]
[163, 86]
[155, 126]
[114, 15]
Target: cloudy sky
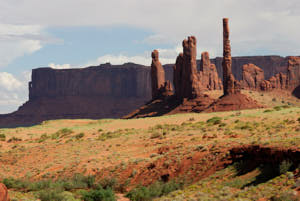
[77, 33]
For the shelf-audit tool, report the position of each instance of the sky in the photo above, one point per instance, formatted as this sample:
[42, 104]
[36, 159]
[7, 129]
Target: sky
[80, 33]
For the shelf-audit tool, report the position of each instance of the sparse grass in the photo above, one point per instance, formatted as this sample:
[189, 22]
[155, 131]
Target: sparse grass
[110, 147]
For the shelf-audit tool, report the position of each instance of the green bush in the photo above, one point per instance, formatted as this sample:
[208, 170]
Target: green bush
[78, 181]
[107, 183]
[277, 108]
[61, 133]
[285, 166]
[99, 194]
[158, 189]
[14, 183]
[51, 195]
[214, 120]
[79, 136]
[2, 137]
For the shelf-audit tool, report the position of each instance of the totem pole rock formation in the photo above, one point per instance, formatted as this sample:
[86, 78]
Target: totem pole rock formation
[208, 74]
[252, 77]
[186, 80]
[232, 98]
[160, 88]
[3, 193]
[230, 85]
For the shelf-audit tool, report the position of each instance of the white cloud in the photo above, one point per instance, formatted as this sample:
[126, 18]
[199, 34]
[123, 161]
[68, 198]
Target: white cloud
[20, 40]
[14, 42]
[166, 56]
[270, 26]
[13, 91]
[9, 82]
[60, 66]
[172, 20]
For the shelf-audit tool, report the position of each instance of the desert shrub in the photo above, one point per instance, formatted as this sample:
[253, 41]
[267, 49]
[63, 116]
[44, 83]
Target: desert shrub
[14, 139]
[79, 136]
[285, 166]
[78, 181]
[43, 138]
[277, 108]
[155, 135]
[2, 137]
[158, 189]
[51, 195]
[116, 134]
[39, 185]
[108, 183]
[65, 131]
[140, 193]
[192, 119]
[298, 119]
[266, 111]
[214, 120]
[61, 133]
[14, 183]
[99, 194]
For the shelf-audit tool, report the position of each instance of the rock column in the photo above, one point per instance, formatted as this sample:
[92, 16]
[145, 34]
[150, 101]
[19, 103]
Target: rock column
[230, 85]
[157, 75]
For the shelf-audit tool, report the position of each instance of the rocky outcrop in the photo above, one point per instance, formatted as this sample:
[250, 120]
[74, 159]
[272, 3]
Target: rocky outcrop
[3, 193]
[208, 74]
[186, 79]
[252, 77]
[160, 88]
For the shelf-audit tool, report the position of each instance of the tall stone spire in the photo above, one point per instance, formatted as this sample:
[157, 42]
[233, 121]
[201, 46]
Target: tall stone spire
[230, 85]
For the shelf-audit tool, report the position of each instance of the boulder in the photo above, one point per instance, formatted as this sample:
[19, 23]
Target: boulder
[3, 193]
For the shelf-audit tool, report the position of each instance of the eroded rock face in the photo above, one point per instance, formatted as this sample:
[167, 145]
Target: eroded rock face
[3, 193]
[230, 85]
[186, 79]
[293, 72]
[208, 74]
[252, 76]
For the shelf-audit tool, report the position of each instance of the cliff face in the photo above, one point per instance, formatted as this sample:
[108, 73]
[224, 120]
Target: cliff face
[128, 80]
